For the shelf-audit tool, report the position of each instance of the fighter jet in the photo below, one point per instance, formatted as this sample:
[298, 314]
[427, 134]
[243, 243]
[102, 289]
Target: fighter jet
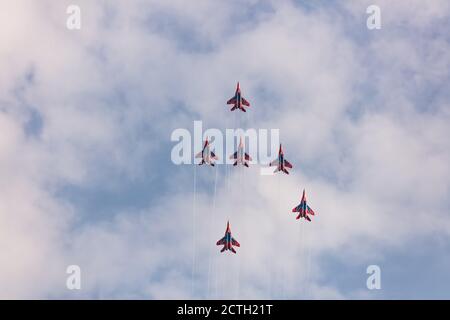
[206, 154]
[280, 162]
[238, 101]
[303, 209]
[240, 156]
[228, 241]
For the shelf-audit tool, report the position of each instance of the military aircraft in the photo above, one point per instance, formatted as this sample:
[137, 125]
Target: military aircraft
[228, 241]
[303, 209]
[206, 154]
[280, 162]
[238, 101]
[240, 156]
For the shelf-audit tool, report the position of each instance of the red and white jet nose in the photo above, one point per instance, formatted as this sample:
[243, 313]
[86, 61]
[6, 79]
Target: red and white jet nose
[281, 149]
[228, 226]
[304, 195]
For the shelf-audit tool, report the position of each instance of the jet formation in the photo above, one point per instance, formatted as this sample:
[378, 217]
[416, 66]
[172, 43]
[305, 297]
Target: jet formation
[242, 158]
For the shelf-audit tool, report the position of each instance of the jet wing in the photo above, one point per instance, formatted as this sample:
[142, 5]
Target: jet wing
[309, 211]
[213, 155]
[232, 100]
[287, 164]
[247, 157]
[234, 155]
[245, 102]
[235, 243]
[221, 242]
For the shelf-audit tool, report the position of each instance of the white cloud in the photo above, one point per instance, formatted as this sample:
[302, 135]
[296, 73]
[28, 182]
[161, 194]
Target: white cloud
[363, 123]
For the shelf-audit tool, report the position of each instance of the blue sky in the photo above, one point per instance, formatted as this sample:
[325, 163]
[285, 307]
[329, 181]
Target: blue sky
[87, 116]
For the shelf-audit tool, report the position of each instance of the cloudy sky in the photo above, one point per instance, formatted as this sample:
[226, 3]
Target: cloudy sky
[86, 118]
